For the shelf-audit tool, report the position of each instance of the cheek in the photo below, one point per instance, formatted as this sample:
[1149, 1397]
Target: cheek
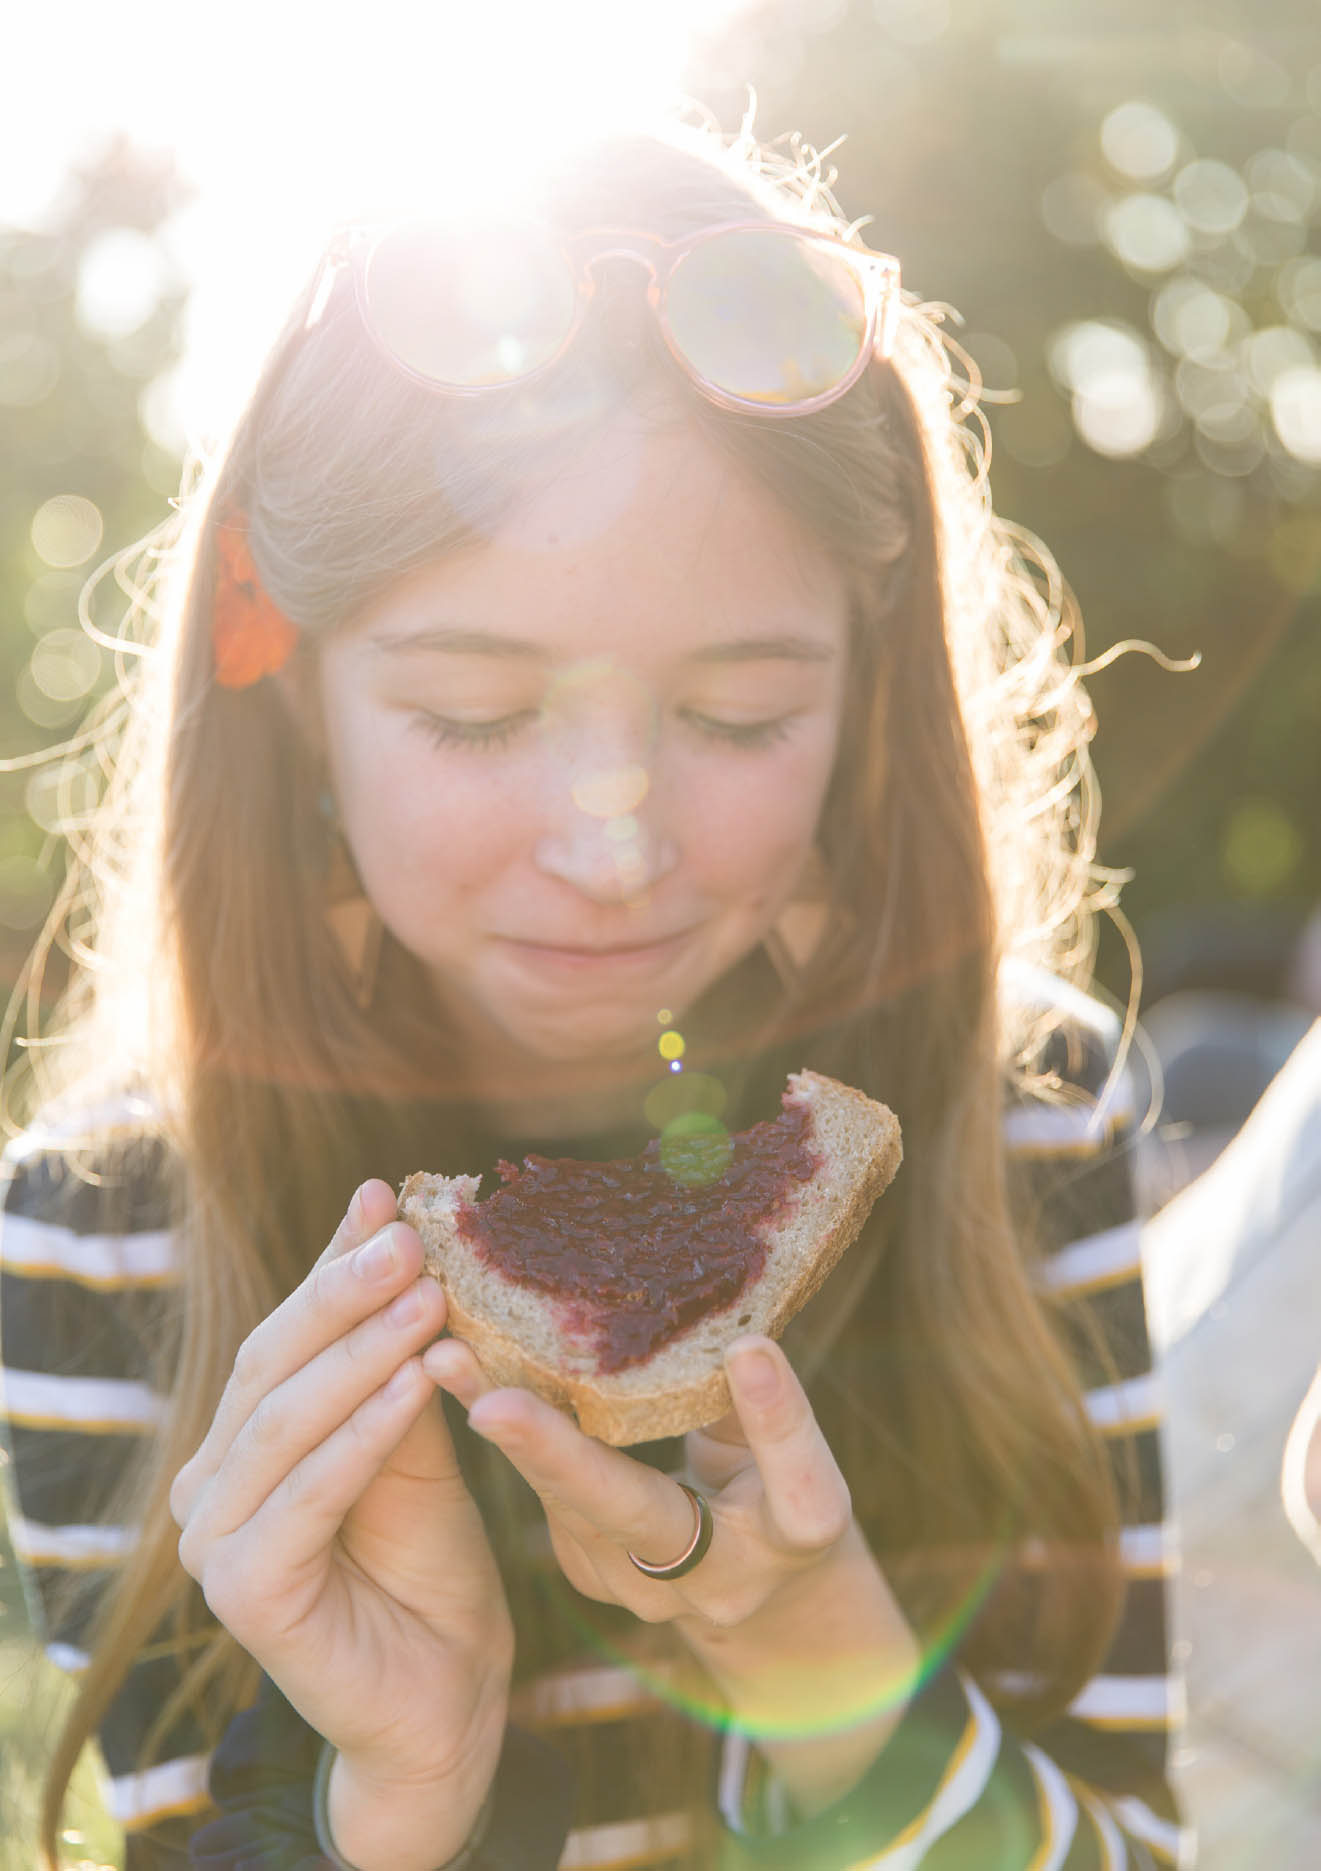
[750, 828]
[420, 833]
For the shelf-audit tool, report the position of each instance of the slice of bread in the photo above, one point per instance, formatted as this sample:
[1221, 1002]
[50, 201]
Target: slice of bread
[518, 1338]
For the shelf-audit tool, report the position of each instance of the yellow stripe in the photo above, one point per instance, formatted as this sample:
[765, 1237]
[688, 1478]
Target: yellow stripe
[670, 1835]
[77, 1425]
[106, 1562]
[1044, 1152]
[1088, 1803]
[967, 1740]
[1042, 1854]
[1099, 1283]
[1137, 1569]
[1093, 1145]
[587, 1717]
[1136, 1724]
[109, 1283]
[1161, 1569]
[197, 1802]
[1131, 1425]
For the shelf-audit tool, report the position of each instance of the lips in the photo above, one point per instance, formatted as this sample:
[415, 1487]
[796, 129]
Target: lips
[618, 955]
[614, 948]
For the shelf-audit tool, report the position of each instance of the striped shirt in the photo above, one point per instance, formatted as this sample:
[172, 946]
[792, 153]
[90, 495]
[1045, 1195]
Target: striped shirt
[953, 1790]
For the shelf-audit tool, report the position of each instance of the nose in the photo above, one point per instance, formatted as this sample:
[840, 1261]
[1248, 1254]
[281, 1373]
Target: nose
[607, 854]
[602, 830]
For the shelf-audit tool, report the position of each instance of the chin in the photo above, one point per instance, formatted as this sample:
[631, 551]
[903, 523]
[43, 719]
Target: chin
[579, 1039]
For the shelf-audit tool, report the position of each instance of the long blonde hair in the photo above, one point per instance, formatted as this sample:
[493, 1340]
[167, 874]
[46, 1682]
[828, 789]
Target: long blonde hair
[959, 829]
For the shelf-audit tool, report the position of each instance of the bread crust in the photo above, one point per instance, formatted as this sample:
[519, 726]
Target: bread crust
[603, 1410]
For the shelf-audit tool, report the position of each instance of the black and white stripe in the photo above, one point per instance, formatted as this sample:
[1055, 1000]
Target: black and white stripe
[79, 1300]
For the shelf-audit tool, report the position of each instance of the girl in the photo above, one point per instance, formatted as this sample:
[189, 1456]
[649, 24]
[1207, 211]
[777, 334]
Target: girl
[595, 634]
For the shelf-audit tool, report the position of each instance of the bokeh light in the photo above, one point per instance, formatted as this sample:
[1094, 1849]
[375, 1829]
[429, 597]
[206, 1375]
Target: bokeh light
[1147, 233]
[1272, 351]
[1261, 847]
[670, 1098]
[1117, 400]
[1252, 77]
[612, 793]
[65, 665]
[66, 530]
[1203, 384]
[1299, 291]
[121, 281]
[29, 369]
[1139, 141]
[60, 796]
[1295, 399]
[1211, 197]
[1192, 319]
[1073, 207]
[671, 1045]
[1283, 187]
[696, 1148]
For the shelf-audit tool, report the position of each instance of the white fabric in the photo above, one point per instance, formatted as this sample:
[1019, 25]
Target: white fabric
[1233, 1276]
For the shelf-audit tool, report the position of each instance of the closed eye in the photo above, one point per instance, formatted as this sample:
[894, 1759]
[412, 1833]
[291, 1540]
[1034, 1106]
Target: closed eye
[749, 734]
[446, 731]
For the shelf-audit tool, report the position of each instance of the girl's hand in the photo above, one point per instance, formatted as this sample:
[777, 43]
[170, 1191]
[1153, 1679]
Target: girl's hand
[788, 1609]
[325, 1518]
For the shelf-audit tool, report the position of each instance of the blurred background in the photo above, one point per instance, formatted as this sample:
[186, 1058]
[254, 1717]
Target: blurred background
[1122, 201]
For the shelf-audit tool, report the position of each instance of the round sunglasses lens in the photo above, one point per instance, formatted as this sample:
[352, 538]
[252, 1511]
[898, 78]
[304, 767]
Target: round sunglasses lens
[770, 317]
[467, 309]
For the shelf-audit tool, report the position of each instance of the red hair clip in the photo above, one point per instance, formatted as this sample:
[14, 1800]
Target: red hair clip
[250, 635]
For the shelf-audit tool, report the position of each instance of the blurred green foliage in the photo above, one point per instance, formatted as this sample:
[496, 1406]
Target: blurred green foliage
[1124, 204]
[90, 313]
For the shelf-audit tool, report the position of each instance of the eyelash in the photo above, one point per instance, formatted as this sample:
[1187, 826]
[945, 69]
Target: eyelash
[441, 731]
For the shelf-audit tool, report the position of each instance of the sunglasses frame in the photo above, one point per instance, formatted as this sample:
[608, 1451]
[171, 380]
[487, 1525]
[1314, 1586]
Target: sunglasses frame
[877, 273]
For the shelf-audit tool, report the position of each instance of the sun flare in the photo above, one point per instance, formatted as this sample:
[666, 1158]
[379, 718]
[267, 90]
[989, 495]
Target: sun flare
[286, 121]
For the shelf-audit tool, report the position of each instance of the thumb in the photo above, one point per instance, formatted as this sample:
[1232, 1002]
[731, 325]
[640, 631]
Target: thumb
[423, 1460]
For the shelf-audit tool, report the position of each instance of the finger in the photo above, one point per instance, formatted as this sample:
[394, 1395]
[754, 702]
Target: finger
[599, 1492]
[306, 1409]
[291, 1533]
[453, 1366]
[363, 1266]
[718, 1452]
[806, 1499]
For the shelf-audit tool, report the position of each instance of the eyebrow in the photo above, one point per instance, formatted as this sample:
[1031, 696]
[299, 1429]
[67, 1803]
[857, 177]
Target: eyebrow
[454, 641]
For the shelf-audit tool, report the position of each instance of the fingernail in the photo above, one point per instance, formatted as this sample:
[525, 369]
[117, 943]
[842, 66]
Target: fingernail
[377, 1260]
[756, 1375]
[405, 1309]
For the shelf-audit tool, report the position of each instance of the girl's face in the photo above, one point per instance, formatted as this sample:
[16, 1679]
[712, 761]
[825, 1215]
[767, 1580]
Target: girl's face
[580, 767]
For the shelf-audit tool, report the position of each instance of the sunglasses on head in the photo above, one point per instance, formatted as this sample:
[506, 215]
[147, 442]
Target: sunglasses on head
[762, 316]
